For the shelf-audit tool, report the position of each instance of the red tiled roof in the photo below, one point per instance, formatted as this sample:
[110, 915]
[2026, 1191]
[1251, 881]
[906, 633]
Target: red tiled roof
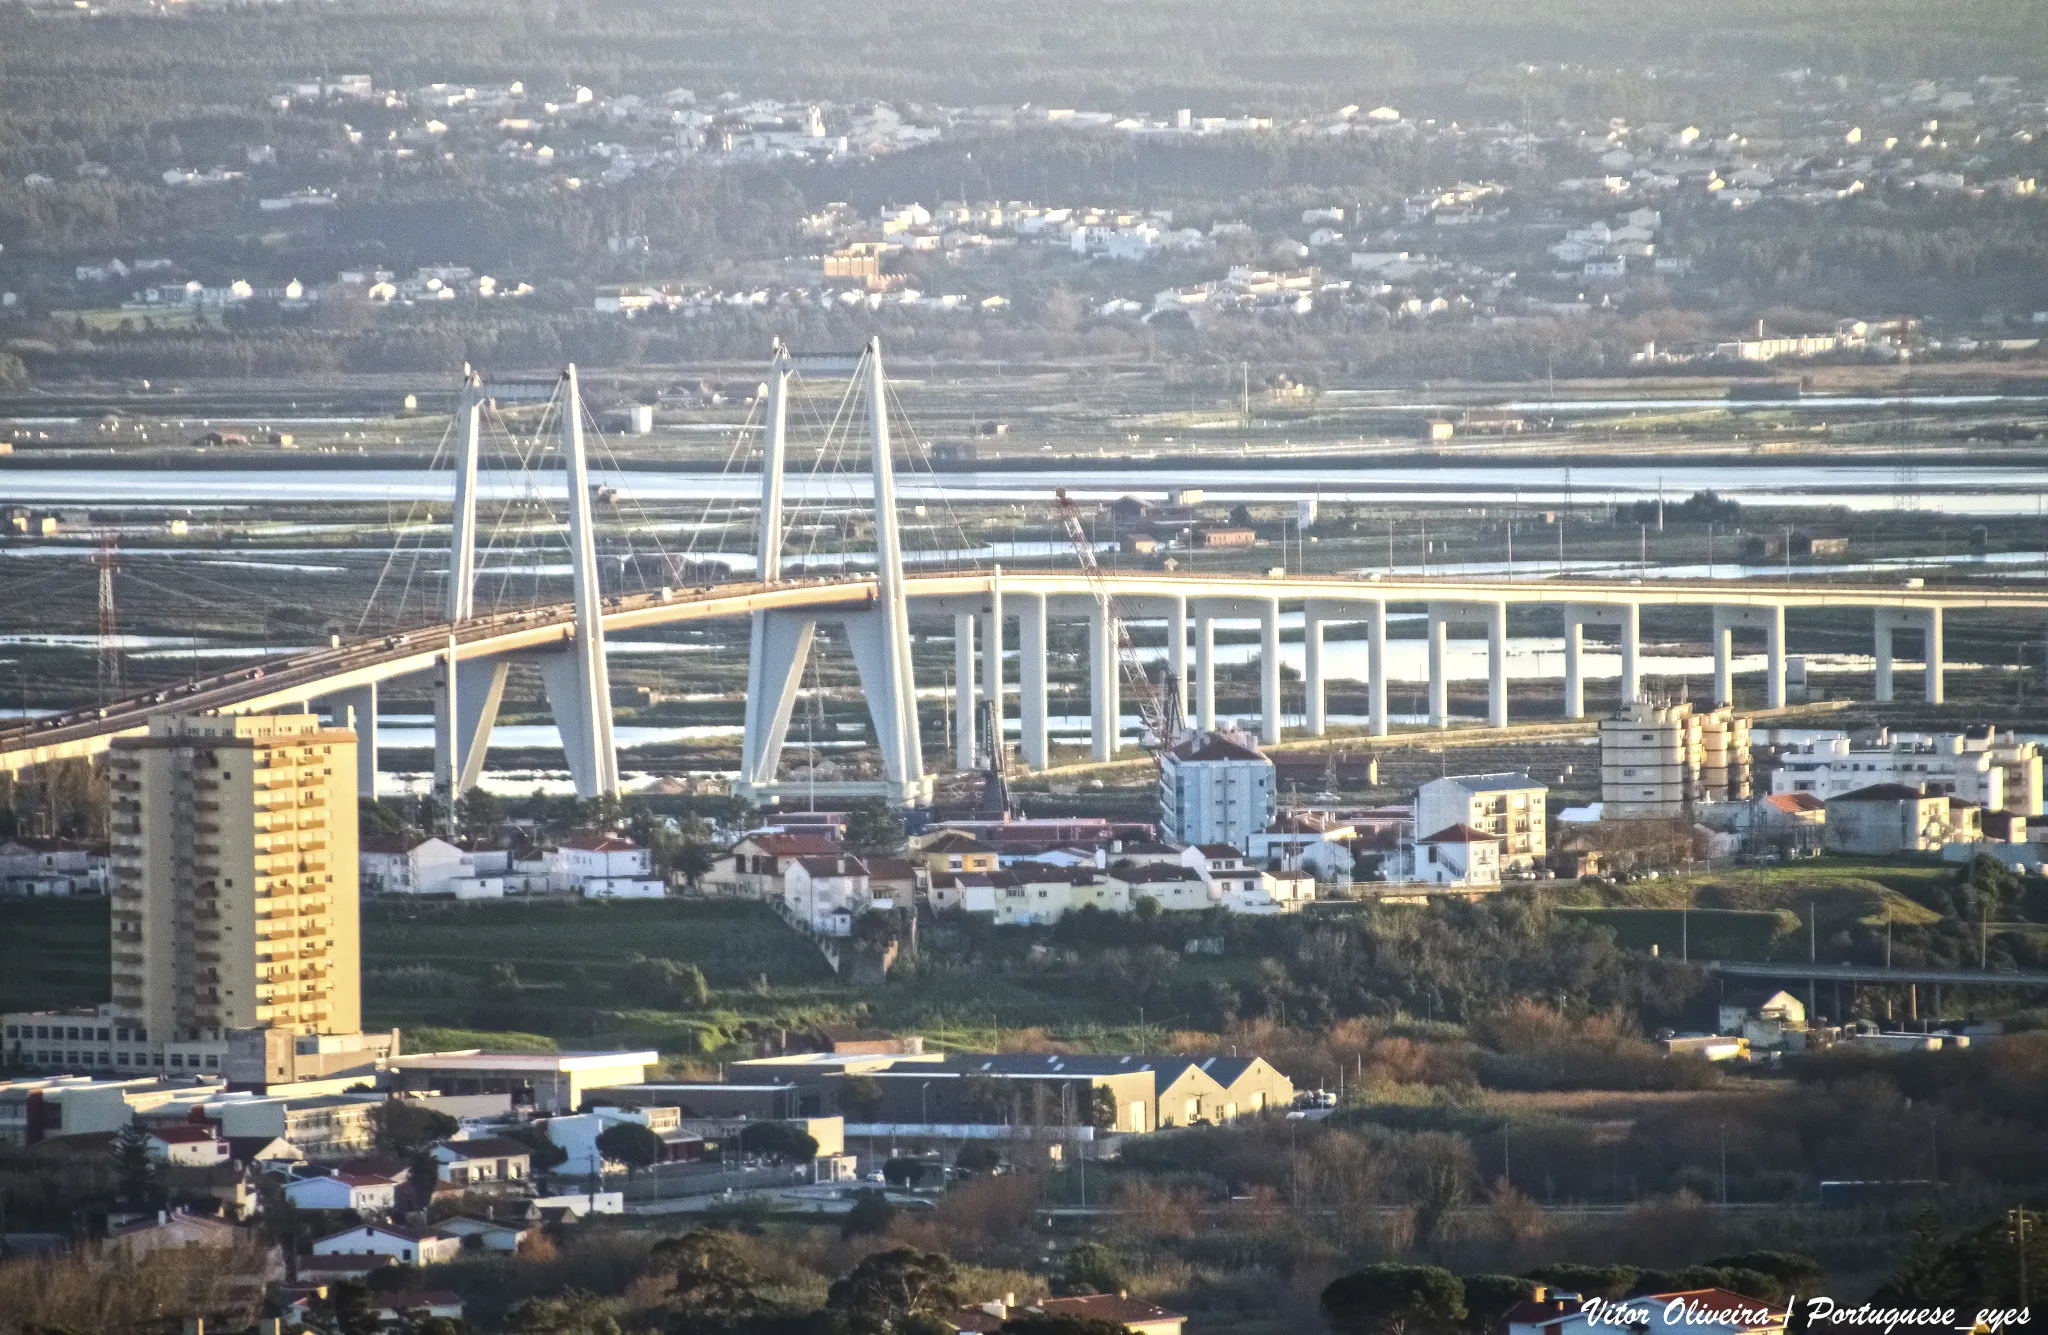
[184, 1134]
[1460, 834]
[1793, 804]
[600, 843]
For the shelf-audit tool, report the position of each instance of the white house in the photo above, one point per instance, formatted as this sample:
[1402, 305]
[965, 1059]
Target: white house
[1283, 891]
[188, 1145]
[1312, 841]
[492, 1235]
[482, 1161]
[1458, 855]
[1215, 788]
[757, 864]
[605, 866]
[364, 1194]
[401, 1245]
[1228, 871]
[576, 1134]
[1175, 888]
[828, 893]
[431, 867]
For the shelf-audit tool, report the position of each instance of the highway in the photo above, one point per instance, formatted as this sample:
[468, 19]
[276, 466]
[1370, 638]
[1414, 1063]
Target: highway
[1874, 973]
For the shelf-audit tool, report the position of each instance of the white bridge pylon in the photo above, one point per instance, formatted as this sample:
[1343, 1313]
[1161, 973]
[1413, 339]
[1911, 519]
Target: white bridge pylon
[467, 693]
[877, 634]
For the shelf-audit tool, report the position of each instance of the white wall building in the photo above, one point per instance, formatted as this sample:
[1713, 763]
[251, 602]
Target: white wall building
[431, 867]
[365, 1195]
[1310, 841]
[401, 1245]
[52, 867]
[608, 867]
[828, 893]
[1215, 788]
[1458, 855]
[1509, 806]
[1998, 775]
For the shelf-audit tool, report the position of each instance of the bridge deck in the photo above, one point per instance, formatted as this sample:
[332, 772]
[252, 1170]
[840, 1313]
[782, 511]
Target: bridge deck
[302, 677]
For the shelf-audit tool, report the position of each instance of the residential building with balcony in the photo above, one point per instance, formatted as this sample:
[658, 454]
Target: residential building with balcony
[234, 879]
[1510, 806]
[1660, 761]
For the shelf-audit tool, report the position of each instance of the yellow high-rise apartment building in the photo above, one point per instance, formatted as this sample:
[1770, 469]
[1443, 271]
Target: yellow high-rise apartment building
[234, 877]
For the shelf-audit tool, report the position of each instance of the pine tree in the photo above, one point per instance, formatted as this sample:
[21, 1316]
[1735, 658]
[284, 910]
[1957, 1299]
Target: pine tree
[134, 1169]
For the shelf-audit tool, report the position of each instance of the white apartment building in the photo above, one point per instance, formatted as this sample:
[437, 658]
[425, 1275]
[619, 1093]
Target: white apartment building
[1509, 806]
[1998, 775]
[1659, 761]
[1216, 788]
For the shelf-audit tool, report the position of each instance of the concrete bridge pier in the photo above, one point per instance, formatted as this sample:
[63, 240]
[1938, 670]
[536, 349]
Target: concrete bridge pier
[582, 699]
[356, 708]
[1205, 670]
[1269, 670]
[1627, 619]
[1926, 620]
[1497, 665]
[1031, 702]
[992, 658]
[1724, 659]
[1376, 668]
[1177, 654]
[1494, 615]
[1318, 613]
[1574, 668]
[1105, 698]
[460, 743]
[1439, 689]
[963, 689]
[1770, 619]
[780, 648]
[1315, 706]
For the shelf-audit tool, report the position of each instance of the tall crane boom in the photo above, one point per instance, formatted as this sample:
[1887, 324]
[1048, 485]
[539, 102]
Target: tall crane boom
[1161, 719]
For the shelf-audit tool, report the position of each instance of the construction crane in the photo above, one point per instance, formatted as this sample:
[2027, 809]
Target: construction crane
[995, 782]
[1161, 717]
